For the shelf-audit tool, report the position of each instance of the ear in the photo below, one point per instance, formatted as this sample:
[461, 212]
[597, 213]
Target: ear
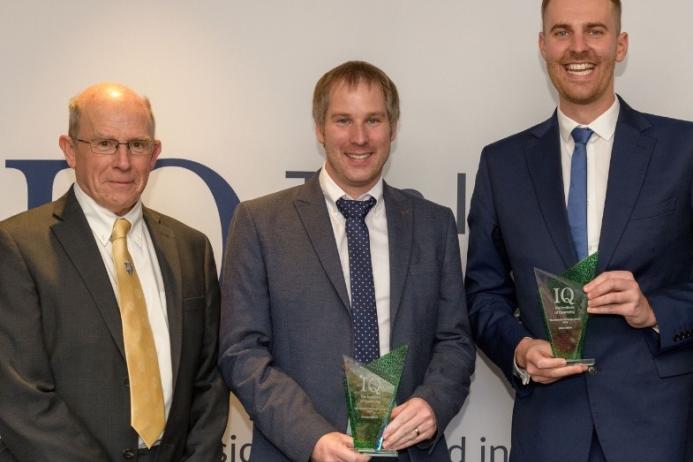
[395, 130]
[621, 47]
[320, 133]
[542, 45]
[155, 154]
[67, 146]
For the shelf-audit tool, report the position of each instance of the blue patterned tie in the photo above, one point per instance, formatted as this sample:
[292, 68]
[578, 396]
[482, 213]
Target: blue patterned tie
[577, 195]
[364, 317]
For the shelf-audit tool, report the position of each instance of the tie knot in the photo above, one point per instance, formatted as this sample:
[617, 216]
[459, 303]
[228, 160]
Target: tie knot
[355, 209]
[121, 227]
[581, 135]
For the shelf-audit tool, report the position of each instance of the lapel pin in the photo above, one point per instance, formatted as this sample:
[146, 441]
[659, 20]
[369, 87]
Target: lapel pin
[129, 268]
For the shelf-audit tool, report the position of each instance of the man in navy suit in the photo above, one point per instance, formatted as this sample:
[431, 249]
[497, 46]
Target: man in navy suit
[636, 211]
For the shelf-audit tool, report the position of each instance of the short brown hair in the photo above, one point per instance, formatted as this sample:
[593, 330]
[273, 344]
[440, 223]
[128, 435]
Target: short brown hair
[616, 3]
[352, 73]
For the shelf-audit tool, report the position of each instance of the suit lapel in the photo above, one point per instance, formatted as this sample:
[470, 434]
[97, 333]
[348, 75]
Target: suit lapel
[630, 158]
[74, 234]
[400, 223]
[311, 208]
[164, 241]
[544, 164]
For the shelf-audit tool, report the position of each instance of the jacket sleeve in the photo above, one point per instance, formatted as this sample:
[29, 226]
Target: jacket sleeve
[35, 423]
[210, 401]
[279, 407]
[447, 379]
[489, 284]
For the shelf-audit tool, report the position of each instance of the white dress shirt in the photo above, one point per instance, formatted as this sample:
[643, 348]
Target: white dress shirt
[376, 221]
[599, 149]
[143, 253]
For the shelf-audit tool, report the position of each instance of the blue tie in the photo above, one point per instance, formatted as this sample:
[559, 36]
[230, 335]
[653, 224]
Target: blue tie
[364, 317]
[577, 195]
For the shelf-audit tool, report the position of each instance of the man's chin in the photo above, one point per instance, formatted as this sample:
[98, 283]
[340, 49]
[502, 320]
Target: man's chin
[119, 207]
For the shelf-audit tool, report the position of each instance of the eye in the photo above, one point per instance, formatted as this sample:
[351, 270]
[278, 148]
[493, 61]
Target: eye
[138, 144]
[105, 143]
[596, 32]
[560, 33]
[374, 120]
[342, 120]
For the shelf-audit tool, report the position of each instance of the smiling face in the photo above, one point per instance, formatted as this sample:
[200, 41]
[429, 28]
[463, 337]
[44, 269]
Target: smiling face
[114, 181]
[581, 44]
[357, 135]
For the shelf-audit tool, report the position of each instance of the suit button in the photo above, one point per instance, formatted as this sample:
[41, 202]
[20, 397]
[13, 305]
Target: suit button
[129, 454]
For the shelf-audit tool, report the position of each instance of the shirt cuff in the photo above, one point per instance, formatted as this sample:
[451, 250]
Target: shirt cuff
[520, 373]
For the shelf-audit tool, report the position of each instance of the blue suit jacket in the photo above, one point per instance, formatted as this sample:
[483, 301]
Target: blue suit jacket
[286, 318]
[639, 400]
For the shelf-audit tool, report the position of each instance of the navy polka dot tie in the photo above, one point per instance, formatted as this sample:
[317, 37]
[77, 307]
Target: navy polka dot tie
[364, 317]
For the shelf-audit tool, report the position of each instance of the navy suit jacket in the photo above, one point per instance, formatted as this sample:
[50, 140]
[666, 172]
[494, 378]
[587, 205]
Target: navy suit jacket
[639, 399]
[286, 318]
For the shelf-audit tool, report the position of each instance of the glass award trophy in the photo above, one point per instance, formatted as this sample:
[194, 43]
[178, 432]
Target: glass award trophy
[564, 305]
[371, 390]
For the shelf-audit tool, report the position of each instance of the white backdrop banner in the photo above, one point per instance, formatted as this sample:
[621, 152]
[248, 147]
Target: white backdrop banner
[231, 84]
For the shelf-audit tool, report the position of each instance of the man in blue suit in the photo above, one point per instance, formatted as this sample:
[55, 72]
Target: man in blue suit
[596, 176]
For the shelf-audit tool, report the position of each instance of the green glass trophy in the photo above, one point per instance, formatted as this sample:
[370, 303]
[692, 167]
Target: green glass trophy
[564, 305]
[371, 391]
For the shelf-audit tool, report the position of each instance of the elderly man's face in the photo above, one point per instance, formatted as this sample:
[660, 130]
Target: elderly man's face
[114, 181]
[581, 44]
[356, 136]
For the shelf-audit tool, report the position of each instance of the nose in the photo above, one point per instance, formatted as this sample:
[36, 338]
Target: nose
[121, 158]
[359, 134]
[578, 43]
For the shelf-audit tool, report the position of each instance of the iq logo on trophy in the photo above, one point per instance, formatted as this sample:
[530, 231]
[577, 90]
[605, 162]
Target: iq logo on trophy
[564, 305]
[371, 391]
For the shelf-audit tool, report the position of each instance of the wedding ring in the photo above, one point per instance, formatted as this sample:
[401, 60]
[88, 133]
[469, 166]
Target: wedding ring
[416, 430]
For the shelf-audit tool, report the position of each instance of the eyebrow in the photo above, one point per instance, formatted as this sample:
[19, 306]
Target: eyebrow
[347, 114]
[589, 25]
[592, 25]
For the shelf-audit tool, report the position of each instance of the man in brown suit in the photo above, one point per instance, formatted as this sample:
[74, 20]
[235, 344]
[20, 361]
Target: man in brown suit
[67, 366]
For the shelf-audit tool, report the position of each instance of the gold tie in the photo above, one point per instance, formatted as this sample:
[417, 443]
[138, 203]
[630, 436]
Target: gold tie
[146, 395]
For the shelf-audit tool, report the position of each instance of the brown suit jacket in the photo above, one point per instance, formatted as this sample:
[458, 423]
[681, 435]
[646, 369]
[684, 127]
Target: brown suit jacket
[63, 378]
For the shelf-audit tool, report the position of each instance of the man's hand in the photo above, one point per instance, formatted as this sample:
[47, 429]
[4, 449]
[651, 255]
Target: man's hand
[412, 422]
[336, 447]
[536, 357]
[617, 292]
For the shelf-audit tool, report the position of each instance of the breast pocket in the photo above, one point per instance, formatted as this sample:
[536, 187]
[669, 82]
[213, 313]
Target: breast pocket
[193, 303]
[421, 269]
[659, 209]
[193, 326]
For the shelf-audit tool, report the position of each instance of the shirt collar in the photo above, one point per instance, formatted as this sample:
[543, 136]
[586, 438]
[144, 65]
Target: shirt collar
[101, 220]
[333, 192]
[604, 125]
